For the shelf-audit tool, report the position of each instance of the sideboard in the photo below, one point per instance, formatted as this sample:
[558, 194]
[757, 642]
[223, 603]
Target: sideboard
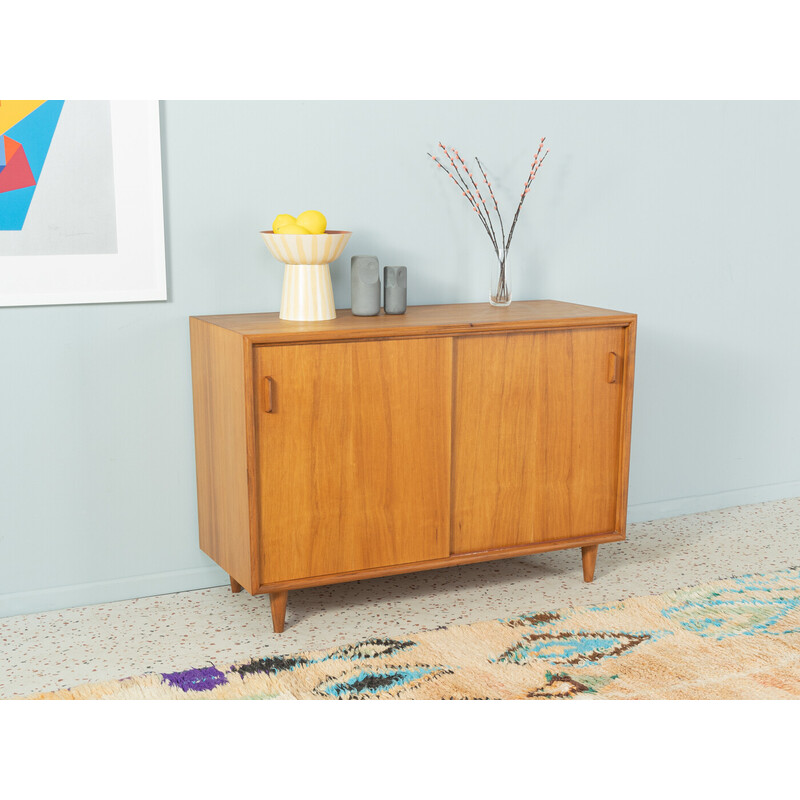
[367, 446]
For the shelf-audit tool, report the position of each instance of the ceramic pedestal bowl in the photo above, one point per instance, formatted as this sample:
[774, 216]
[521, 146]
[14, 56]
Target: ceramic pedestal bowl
[307, 291]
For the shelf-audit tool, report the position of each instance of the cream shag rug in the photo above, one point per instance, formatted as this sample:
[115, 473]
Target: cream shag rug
[737, 638]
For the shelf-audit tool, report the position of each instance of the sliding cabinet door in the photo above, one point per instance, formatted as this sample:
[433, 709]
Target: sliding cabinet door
[537, 430]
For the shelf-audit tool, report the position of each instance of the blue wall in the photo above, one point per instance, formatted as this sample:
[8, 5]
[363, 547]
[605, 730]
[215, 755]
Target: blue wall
[683, 212]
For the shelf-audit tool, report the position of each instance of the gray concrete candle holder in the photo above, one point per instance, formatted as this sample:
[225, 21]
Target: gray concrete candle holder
[395, 280]
[365, 286]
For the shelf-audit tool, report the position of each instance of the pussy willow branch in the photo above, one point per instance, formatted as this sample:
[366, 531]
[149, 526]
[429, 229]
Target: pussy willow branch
[478, 192]
[487, 222]
[461, 182]
[526, 188]
[534, 169]
[494, 200]
[470, 200]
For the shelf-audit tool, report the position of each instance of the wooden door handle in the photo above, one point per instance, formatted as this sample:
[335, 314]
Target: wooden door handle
[268, 395]
[612, 367]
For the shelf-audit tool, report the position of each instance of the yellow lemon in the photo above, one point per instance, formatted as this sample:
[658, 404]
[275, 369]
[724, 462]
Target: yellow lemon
[293, 229]
[281, 220]
[313, 220]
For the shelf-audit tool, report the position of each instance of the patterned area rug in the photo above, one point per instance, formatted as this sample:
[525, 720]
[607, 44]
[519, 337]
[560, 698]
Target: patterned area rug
[737, 638]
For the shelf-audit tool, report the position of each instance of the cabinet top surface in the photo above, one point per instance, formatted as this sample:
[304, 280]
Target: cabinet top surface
[421, 320]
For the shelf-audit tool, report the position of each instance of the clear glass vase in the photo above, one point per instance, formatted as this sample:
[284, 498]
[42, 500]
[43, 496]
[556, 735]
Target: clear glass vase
[500, 289]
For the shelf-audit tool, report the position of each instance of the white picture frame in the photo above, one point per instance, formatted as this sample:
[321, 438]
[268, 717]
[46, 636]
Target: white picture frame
[137, 271]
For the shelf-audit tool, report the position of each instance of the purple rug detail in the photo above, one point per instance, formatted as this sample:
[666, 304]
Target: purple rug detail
[196, 680]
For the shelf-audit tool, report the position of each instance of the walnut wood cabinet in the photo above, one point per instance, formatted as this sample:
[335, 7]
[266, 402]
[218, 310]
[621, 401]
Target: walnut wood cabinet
[367, 446]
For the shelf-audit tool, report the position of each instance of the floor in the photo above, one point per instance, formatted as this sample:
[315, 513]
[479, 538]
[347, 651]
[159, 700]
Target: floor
[172, 632]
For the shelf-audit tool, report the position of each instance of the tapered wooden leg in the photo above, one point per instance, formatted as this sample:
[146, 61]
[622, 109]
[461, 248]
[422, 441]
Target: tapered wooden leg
[235, 586]
[277, 603]
[589, 555]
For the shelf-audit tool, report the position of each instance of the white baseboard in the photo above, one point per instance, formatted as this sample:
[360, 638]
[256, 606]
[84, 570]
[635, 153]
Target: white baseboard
[645, 512]
[87, 594]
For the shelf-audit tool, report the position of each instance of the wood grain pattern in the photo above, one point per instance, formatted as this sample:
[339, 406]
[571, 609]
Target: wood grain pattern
[589, 559]
[354, 459]
[369, 446]
[536, 438]
[219, 387]
[625, 426]
[613, 361]
[441, 563]
[277, 605]
[443, 320]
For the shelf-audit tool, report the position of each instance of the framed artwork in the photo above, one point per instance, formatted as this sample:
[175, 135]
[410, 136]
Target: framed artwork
[81, 208]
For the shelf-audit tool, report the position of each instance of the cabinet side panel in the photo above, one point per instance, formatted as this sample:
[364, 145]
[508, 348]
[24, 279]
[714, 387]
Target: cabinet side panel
[625, 427]
[220, 427]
